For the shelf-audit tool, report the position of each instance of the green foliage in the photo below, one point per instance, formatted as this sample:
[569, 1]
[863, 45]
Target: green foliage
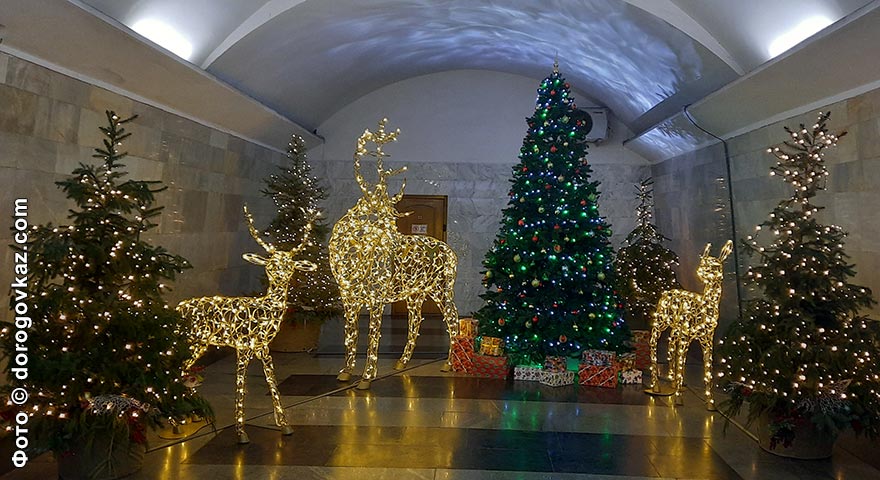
[802, 351]
[549, 274]
[312, 295]
[645, 268]
[100, 324]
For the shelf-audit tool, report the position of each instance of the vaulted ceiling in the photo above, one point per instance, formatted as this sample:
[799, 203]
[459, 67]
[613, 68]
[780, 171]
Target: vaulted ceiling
[644, 59]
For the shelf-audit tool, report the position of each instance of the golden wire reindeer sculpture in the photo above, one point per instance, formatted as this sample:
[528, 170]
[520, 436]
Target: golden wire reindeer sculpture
[247, 324]
[374, 264]
[690, 316]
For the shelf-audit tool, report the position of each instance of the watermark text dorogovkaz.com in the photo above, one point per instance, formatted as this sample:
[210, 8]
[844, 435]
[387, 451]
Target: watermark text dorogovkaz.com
[19, 395]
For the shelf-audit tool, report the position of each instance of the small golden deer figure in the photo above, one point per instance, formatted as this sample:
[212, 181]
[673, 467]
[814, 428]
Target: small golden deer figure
[374, 264]
[247, 324]
[690, 316]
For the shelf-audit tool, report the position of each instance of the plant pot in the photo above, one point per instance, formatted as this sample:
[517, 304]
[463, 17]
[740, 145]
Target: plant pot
[297, 336]
[808, 444]
[102, 460]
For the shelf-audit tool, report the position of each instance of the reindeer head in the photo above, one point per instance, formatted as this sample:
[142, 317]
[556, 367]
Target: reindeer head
[711, 269]
[376, 202]
[280, 264]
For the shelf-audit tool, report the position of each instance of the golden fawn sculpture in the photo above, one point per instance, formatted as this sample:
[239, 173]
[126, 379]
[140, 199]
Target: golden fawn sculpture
[374, 264]
[690, 316]
[247, 324]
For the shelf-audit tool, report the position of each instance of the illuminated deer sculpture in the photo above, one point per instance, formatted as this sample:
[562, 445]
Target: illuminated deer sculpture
[374, 264]
[690, 316]
[247, 324]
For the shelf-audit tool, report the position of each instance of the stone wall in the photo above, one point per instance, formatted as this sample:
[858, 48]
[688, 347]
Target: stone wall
[692, 193]
[49, 124]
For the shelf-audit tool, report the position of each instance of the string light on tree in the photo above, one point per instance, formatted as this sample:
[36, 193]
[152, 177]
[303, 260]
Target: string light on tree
[549, 274]
[802, 351]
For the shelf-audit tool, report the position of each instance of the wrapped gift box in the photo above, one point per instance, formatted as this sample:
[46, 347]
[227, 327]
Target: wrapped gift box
[491, 346]
[598, 357]
[462, 354]
[631, 376]
[642, 342]
[598, 375]
[490, 366]
[527, 372]
[557, 379]
[626, 361]
[555, 364]
[467, 327]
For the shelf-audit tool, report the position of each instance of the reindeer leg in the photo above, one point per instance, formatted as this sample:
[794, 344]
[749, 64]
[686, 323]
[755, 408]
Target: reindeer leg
[269, 372]
[682, 342]
[450, 316]
[414, 308]
[373, 348]
[655, 338]
[244, 358]
[352, 309]
[706, 343]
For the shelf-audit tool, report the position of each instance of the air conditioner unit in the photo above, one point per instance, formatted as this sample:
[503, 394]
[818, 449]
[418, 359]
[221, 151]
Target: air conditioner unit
[599, 116]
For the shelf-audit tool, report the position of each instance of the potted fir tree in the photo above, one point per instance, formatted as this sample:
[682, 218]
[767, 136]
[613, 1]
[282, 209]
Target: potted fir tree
[802, 358]
[313, 296]
[105, 350]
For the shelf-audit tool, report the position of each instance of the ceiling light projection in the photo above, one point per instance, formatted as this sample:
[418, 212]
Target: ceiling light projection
[165, 36]
[796, 35]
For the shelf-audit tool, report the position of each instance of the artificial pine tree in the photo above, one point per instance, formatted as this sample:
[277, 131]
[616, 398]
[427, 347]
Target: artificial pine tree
[104, 350]
[312, 295]
[549, 274]
[645, 268]
[802, 352]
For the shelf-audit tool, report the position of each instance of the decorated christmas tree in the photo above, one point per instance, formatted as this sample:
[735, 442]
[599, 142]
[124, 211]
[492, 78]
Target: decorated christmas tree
[313, 295]
[549, 274]
[104, 351]
[802, 351]
[645, 268]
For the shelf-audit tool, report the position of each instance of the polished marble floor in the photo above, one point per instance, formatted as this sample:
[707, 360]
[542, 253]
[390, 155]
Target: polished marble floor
[424, 424]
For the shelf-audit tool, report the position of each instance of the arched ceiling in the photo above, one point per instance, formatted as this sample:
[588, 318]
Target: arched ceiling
[644, 59]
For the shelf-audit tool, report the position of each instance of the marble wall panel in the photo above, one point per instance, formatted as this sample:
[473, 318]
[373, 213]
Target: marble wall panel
[49, 125]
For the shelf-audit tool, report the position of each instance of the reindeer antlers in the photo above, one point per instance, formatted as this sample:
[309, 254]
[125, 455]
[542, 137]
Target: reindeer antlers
[379, 137]
[271, 248]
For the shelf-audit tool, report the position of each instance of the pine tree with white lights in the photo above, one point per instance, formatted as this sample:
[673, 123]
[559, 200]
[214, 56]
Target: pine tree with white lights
[645, 268]
[802, 351]
[105, 350]
[312, 295]
[549, 275]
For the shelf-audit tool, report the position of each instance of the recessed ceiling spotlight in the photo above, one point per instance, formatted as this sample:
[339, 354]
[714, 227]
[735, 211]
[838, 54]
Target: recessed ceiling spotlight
[165, 36]
[796, 35]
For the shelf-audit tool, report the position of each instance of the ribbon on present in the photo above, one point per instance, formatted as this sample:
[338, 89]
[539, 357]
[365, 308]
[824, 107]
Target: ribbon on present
[462, 354]
[490, 367]
[528, 373]
[557, 379]
[555, 364]
[467, 327]
[598, 357]
[598, 375]
[491, 346]
[631, 376]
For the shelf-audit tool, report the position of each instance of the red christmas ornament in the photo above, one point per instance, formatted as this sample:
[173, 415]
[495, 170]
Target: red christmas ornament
[566, 85]
[583, 202]
[548, 187]
[557, 248]
[535, 319]
[555, 305]
[502, 241]
[501, 322]
[520, 223]
[553, 149]
[563, 339]
[535, 238]
[552, 92]
[556, 227]
[525, 169]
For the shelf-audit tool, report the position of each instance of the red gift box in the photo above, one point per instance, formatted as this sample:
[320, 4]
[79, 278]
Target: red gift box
[490, 367]
[642, 341]
[462, 354]
[598, 375]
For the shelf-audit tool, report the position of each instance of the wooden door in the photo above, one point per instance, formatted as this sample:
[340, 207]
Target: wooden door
[428, 217]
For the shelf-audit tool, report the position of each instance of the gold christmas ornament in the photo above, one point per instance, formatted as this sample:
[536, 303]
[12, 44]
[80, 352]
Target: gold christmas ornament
[247, 324]
[690, 316]
[374, 264]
